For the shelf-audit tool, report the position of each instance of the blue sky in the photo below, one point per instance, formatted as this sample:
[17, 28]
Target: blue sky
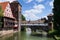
[35, 9]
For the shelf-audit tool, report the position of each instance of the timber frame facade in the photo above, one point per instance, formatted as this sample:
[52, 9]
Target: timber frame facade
[10, 14]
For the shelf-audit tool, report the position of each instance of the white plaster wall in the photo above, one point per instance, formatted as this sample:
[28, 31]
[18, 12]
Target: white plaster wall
[8, 12]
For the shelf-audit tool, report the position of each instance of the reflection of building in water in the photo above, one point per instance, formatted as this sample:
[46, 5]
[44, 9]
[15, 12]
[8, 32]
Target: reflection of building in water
[10, 13]
[50, 21]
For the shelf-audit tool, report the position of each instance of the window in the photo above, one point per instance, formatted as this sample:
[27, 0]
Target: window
[6, 23]
[7, 9]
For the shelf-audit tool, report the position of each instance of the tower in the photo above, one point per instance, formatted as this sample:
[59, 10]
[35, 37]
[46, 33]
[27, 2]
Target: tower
[16, 10]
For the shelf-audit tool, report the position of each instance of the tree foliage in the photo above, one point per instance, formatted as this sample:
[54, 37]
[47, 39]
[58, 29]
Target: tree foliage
[23, 18]
[56, 12]
[1, 12]
[1, 16]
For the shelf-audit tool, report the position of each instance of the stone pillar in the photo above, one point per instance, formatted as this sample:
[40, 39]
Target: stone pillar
[19, 17]
[52, 26]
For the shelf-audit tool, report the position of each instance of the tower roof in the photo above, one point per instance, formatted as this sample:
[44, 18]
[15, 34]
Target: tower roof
[16, 2]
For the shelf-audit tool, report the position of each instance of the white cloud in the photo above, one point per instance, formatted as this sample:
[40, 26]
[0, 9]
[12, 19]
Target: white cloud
[51, 3]
[39, 0]
[1, 0]
[31, 14]
[7, 0]
[45, 17]
[27, 1]
[38, 7]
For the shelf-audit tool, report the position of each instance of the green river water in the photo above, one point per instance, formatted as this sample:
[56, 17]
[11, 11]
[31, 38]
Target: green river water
[25, 36]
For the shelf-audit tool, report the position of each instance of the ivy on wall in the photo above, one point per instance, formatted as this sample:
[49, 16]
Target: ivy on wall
[1, 12]
[1, 16]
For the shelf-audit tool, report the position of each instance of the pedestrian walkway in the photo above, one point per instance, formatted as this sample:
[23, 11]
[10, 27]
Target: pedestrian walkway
[5, 32]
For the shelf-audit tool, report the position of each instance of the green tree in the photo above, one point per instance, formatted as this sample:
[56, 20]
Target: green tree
[56, 11]
[23, 18]
[1, 16]
[1, 12]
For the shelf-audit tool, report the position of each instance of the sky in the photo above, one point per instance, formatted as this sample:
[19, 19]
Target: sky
[35, 9]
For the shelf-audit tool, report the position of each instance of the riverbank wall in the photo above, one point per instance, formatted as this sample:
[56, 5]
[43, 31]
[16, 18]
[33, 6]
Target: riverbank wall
[7, 33]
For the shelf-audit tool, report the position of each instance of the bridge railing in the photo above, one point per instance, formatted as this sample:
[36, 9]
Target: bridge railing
[46, 24]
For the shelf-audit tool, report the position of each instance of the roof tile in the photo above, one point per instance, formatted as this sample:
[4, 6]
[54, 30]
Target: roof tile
[3, 5]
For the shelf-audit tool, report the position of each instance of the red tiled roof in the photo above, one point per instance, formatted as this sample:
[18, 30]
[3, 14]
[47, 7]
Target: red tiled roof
[3, 5]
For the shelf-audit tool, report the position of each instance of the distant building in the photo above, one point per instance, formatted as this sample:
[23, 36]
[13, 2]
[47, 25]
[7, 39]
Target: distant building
[10, 14]
[33, 22]
[50, 21]
[50, 17]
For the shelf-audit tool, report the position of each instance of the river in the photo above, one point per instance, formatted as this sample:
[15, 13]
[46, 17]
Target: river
[25, 36]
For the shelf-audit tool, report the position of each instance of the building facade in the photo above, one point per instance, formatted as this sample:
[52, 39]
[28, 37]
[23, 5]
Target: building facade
[50, 21]
[10, 14]
[16, 10]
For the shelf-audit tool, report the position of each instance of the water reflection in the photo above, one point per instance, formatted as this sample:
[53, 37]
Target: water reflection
[28, 31]
[25, 36]
[30, 37]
